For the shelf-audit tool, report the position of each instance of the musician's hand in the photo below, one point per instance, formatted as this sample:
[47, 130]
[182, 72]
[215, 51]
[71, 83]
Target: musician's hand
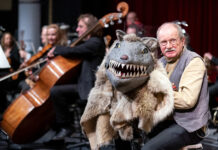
[23, 65]
[51, 53]
[33, 77]
[208, 55]
[22, 54]
[29, 72]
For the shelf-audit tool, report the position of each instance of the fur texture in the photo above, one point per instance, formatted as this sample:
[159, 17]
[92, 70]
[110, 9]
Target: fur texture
[109, 112]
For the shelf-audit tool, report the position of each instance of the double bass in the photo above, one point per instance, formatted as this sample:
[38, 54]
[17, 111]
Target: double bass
[30, 115]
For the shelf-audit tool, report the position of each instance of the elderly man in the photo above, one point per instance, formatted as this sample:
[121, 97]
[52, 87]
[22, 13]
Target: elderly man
[187, 72]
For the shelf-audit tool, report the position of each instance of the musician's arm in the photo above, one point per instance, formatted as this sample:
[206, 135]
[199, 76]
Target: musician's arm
[89, 48]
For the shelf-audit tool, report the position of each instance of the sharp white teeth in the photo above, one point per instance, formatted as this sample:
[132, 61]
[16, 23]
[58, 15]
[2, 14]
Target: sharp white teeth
[137, 67]
[127, 75]
[130, 74]
[141, 67]
[119, 74]
[130, 67]
[134, 74]
[144, 68]
[127, 66]
[113, 63]
[123, 75]
[118, 64]
[134, 67]
[123, 66]
[137, 74]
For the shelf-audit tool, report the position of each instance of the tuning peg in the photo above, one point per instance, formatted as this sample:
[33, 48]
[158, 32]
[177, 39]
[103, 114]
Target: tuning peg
[106, 25]
[119, 21]
[104, 22]
[119, 16]
[111, 20]
[111, 23]
[184, 23]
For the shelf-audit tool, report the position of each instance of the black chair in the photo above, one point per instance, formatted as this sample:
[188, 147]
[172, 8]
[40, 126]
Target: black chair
[77, 140]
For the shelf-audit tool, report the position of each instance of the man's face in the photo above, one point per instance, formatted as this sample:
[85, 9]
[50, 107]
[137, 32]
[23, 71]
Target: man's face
[131, 18]
[171, 44]
[81, 28]
[52, 36]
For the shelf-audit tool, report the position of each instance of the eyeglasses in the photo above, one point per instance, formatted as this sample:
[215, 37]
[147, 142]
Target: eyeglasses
[171, 41]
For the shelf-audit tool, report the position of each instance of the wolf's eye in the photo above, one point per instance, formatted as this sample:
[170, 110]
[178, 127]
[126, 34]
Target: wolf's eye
[145, 50]
[117, 45]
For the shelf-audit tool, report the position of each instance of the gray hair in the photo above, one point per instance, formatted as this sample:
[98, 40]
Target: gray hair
[178, 27]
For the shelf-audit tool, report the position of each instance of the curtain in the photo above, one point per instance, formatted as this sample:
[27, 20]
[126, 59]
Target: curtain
[200, 15]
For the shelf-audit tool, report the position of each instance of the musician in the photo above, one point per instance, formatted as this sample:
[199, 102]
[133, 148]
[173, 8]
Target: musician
[54, 38]
[134, 28]
[132, 18]
[91, 51]
[213, 88]
[44, 40]
[11, 52]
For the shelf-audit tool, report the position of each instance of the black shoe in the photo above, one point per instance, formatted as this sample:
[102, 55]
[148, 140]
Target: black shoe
[64, 132]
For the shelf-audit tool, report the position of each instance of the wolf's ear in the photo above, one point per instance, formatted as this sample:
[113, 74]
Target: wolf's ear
[120, 34]
[150, 42]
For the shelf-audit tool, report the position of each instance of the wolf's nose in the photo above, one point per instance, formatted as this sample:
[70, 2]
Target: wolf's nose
[124, 57]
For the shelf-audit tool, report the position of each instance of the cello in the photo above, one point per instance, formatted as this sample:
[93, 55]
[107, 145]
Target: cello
[31, 114]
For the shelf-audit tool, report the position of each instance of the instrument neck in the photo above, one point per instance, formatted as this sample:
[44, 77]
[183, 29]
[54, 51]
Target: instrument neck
[84, 35]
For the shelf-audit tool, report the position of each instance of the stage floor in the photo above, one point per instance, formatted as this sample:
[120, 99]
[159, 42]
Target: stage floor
[75, 142]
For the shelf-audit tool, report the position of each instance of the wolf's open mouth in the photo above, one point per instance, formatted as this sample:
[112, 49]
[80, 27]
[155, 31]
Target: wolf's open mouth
[127, 70]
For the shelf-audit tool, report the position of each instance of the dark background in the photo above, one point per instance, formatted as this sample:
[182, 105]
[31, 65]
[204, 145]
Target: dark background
[201, 16]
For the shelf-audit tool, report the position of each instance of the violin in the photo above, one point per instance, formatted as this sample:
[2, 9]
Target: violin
[32, 62]
[14, 77]
[31, 114]
[39, 54]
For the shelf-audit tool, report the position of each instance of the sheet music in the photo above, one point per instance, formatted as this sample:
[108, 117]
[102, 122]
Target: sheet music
[3, 60]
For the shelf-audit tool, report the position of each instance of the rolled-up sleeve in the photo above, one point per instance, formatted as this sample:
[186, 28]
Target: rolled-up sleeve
[190, 84]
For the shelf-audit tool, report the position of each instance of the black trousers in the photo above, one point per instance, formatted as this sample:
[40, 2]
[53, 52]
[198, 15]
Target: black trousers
[213, 94]
[173, 137]
[62, 97]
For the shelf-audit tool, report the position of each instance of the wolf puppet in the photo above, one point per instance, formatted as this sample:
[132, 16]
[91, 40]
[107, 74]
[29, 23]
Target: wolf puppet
[131, 84]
